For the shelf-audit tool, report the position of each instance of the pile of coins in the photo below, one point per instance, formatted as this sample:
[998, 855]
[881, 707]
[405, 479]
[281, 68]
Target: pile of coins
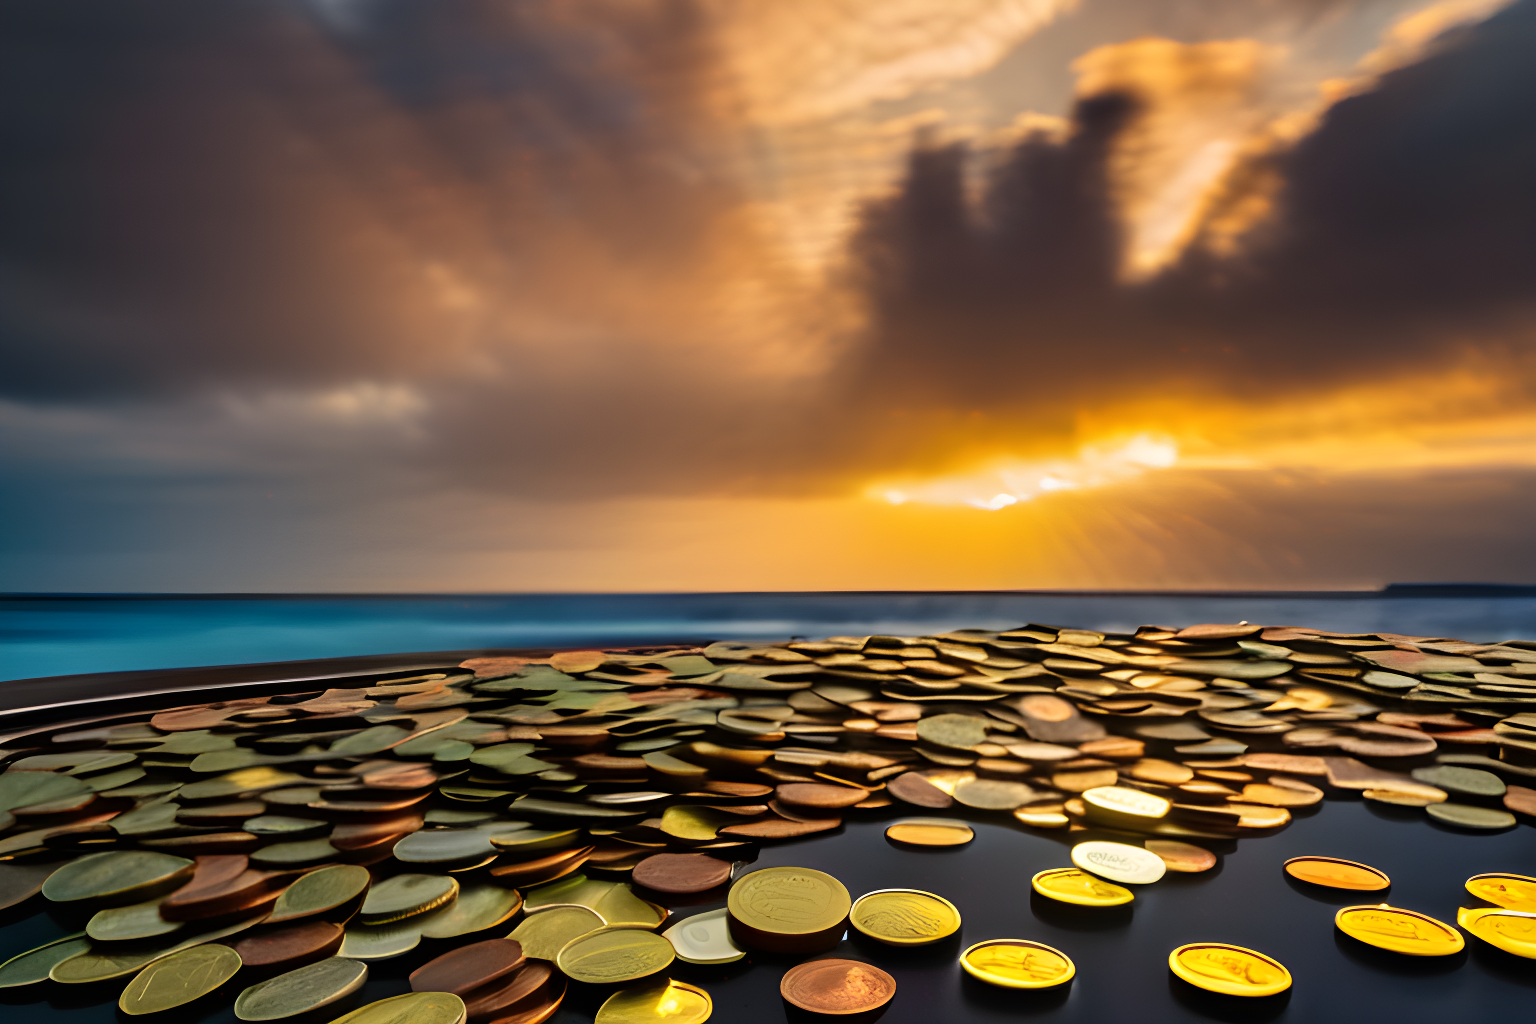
[536, 812]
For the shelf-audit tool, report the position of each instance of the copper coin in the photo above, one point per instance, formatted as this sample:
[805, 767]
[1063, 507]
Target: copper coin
[779, 829]
[20, 882]
[538, 1006]
[820, 795]
[221, 884]
[1520, 800]
[681, 872]
[915, 789]
[293, 946]
[837, 986]
[793, 813]
[363, 834]
[746, 790]
[463, 970]
[206, 844]
[502, 997]
[542, 869]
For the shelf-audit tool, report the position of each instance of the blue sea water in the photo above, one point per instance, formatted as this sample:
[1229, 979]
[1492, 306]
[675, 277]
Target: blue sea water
[63, 635]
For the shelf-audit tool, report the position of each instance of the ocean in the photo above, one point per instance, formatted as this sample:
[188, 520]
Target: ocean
[48, 635]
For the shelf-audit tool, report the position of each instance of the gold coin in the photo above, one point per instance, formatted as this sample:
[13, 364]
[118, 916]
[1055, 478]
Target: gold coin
[302, 990]
[479, 906]
[930, 832]
[1230, 970]
[1069, 885]
[904, 917]
[1119, 862]
[1513, 931]
[1336, 874]
[674, 1002]
[179, 979]
[33, 966]
[703, 939]
[411, 1008]
[1121, 800]
[101, 965]
[1512, 892]
[545, 933]
[402, 896]
[1400, 931]
[612, 955]
[117, 877]
[1017, 963]
[318, 891]
[1037, 818]
[788, 910]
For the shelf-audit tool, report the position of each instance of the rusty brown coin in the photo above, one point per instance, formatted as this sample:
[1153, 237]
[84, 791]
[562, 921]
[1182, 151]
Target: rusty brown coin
[463, 970]
[681, 872]
[821, 796]
[914, 789]
[361, 835]
[1520, 800]
[221, 884]
[502, 996]
[837, 987]
[292, 946]
[772, 829]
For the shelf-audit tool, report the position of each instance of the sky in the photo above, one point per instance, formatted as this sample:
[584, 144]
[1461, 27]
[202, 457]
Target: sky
[658, 295]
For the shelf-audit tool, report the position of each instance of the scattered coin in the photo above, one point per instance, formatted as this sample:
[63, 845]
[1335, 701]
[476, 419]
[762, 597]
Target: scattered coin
[681, 872]
[179, 979]
[914, 789]
[1512, 931]
[1070, 885]
[1512, 892]
[1400, 931]
[467, 968]
[837, 987]
[545, 933]
[136, 921]
[930, 832]
[301, 991]
[1229, 970]
[610, 956]
[478, 906]
[1184, 858]
[415, 1007]
[33, 966]
[1119, 862]
[704, 939]
[904, 917]
[674, 1002]
[1336, 874]
[1471, 817]
[788, 910]
[291, 945]
[1017, 963]
[319, 891]
[117, 877]
[407, 895]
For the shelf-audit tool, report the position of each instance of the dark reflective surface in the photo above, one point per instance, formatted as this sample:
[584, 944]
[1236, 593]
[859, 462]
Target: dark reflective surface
[1121, 953]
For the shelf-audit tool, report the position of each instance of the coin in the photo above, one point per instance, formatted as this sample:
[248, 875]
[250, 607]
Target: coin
[20, 882]
[674, 1002]
[319, 891]
[904, 917]
[681, 872]
[992, 795]
[33, 966]
[1229, 970]
[179, 979]
[1512, 931]
[467, 968]
[415, 1007]
[788, 910]
[1460, 815]
[915, 789]
[930, 832]
[1336, 874]
[1119, 862]
[407, 895]
[1400, 931]
[302, 990]
[1457, 781]
[478, 906]
[819, 796]
[117, 877]
[291, 945]
[837, 987]
[502, 997]
[704, 939]
[613, 955]
[1182, 857]
[545, 933]
[136, 921]
[102, 964]
[771, 829]
[380, 942]
[1069, 885]
[1017, 963]
[1512, 892]
[1117, 802]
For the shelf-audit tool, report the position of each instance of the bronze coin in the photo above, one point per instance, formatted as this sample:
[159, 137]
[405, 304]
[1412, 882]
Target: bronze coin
[793, 813]
[822, 796]
[291, 946]
[914, 789]
[837, 987]
[500, 997]
[745, 790]
[20, 882]
[363, 834]
[1521, 800]
[538, 1006]
[542, 869]
[772, 829]
[463, 970]
[681, 872]
[221, 884]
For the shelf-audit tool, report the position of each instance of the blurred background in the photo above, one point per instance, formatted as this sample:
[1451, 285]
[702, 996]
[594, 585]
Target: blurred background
[649, 295]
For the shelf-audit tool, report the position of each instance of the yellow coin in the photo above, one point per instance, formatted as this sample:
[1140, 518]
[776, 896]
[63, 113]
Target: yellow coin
[1513, 931]
[904, 917]
[411, 1008]
[609, 956]
[1122, 800]
[1017, 963]
[1336, 874]
[1512, 892]
[179, 979]
[788, 910]
[1230, 970]
[674, 1002]
[1119, 862]
[1400, 931]
[1069, 885]
[930, 832]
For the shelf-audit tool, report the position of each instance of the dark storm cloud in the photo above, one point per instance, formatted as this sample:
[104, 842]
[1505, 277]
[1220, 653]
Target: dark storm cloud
[1405, 227]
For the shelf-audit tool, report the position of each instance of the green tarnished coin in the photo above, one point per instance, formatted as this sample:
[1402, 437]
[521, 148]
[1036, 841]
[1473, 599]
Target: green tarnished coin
[411, 1008]
[370, 741]
[113, 780]
[479, 906]
[443, 816]
[544, 934]
[148, 820]
[179, 979]
[23, 789]
[445, 846]
[117, 877]
[381, 942]
[136, 921]
[532, 840]
[299, 853]
[1464, 816]
[1461, 781]
[284, 827]
[319, 891]
[578, 812]
[301, 991]
[674, 1002]
[245, 781]
[403, 896]
[102, 965]
[33, 966]
[610, 956]
[958, 732]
